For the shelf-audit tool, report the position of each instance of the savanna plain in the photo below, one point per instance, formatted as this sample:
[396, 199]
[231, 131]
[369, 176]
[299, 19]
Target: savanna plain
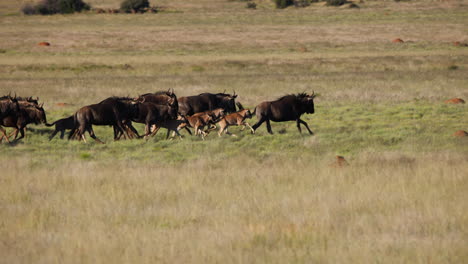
[281, 198]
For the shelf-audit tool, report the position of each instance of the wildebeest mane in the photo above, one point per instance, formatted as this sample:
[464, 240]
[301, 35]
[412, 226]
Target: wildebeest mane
[297, 96]
[118, 98]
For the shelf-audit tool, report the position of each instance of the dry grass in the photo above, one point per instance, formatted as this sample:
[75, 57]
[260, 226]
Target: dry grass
[384, 207]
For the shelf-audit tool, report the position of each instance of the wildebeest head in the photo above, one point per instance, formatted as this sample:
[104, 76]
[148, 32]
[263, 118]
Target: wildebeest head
[248, 114]
[161, 97]
[217, 113]
[8, 104]
[307, 102]
[36, 113]
[173, 111]
[227, 102]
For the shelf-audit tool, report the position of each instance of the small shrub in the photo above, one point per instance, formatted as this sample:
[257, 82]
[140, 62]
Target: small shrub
[251, 5]
[129, 6]
[28, 9]
[453, 67]
[50, 7]
[336, 2]
[283, 3]
[302, 3]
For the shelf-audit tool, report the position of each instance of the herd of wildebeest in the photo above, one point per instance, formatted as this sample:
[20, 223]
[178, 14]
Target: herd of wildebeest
[203, 113]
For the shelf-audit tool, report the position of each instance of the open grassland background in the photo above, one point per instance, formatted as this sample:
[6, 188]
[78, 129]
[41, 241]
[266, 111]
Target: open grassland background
[254, 198]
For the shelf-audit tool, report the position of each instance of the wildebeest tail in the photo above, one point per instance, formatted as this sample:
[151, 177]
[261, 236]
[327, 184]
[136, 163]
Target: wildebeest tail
[49, 125]
[240, 106]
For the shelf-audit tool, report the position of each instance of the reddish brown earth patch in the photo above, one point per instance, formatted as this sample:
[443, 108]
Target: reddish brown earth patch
[460, 44]
[398, 40]
[339, 162]
[62, 104]
[461, 133]
[43, 44]
[455, 101]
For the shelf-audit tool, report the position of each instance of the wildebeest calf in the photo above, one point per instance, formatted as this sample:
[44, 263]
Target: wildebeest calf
[234, 119]
[61, 126]
[198, 121]
[174, 125]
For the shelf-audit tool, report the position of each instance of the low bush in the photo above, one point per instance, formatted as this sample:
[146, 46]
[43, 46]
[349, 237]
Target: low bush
[129, 6]
[50, 7]
[336, 2]
[283, 3]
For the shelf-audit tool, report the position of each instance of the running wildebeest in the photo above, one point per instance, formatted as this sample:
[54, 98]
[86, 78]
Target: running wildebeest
[61, 126]
[174, 125]
[8, 106]
[112, 111]
[234, 119]
[28, 113]
[151, 113]
[199, 120]
[162, 98]
[287, 108]
[207, 101]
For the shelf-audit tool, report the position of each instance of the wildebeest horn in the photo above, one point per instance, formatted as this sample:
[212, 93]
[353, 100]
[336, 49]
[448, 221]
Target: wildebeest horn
[313, 94]
[40, 106]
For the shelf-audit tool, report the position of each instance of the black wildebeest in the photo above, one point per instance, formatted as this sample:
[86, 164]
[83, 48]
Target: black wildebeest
[151, 114]
[207, 101]
[112, 111]
[61, 126]
[28, 113]
[287, 108]
[174, 125]
[162, 98]
[167, 98]
[8, 106]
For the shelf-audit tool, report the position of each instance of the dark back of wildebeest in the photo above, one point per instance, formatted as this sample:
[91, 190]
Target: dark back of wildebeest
[8, 106]
[152, 112]
[286, 108]
[161, 98]
[126, 108]
[207, 101]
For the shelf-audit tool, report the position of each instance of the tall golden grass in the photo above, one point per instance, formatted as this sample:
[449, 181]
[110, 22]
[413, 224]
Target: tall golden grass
[384, 207]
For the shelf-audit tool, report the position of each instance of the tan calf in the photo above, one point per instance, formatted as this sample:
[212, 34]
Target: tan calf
[234, 119]
[198, 122]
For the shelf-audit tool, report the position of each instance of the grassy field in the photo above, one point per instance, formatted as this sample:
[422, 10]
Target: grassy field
[253, 198]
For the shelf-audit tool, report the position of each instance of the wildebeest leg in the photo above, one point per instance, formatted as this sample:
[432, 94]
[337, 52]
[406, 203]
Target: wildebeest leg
[190, 132]
[178, 134]
[259, 123]
[155, 130]
[269, 126]
[62, 134]
[229, 133]
[21, 130]
[133, 130]
[91, 133]
[299, 121]
[247, 124]
[299, 125]
[55, 133]
[221, 130]
[4, 135]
